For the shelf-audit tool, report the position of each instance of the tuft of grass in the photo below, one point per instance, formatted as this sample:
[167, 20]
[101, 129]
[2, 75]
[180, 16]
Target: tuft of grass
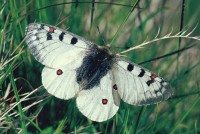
[139, 30]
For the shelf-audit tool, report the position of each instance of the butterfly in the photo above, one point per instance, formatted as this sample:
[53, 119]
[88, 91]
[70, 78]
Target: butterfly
[97, 78]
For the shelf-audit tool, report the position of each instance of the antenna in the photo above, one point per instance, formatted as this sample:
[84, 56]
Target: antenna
[102, 38]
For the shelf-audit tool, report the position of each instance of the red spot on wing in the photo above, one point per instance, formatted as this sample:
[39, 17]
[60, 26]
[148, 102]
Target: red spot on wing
[104, 101]
[51, 29]
[153, 76]
[59, 72]
[115, 86]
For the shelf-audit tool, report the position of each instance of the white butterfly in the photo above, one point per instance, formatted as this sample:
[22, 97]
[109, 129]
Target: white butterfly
[75, 67]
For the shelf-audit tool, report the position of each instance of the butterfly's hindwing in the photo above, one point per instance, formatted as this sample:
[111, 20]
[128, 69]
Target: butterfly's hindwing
[60, 82]
[55, 47]
[138, 86]
[101, 102]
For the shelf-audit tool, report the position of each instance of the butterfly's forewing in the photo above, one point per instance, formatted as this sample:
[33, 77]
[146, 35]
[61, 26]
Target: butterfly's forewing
[55, 47]
[101, 102]
[60, 82]
[138, 86]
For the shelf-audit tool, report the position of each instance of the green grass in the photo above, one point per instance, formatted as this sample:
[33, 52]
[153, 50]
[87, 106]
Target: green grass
[26, 107]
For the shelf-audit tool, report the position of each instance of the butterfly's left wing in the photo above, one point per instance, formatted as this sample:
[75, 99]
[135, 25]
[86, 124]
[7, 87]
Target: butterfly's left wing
[61, 82]
[101, 102]
[55, 47]
[139, 86]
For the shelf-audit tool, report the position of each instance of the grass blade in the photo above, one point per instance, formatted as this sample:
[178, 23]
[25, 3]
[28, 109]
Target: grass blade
[185, 115]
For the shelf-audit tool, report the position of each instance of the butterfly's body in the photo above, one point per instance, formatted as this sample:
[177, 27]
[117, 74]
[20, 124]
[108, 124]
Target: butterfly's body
[96, 64]
[75, 67]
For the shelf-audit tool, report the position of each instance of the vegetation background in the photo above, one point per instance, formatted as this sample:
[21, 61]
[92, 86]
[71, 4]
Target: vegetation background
[26, 107]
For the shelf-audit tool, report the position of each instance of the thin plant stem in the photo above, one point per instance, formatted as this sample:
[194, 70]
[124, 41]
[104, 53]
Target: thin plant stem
[124, 21]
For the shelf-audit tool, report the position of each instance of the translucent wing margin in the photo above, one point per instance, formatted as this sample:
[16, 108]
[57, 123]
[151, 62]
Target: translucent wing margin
[139, 86]
[53, 46]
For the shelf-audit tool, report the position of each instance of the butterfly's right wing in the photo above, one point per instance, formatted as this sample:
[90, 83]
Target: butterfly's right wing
[54, 47]
[139, 86]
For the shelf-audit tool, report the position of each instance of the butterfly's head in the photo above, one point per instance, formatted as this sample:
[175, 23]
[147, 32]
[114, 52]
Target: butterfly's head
[106, 49]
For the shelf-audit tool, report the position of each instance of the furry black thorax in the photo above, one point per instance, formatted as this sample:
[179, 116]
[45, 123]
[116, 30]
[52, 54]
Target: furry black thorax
[96, 64]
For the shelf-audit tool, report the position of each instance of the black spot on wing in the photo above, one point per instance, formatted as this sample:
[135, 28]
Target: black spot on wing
[61, 36]
[115, 87]
[49, 36]
[149, 82]
[130, 67]
[141, 73]
[74, 40]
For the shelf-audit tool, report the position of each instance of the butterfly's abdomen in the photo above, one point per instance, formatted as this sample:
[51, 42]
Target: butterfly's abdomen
[95, 65]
